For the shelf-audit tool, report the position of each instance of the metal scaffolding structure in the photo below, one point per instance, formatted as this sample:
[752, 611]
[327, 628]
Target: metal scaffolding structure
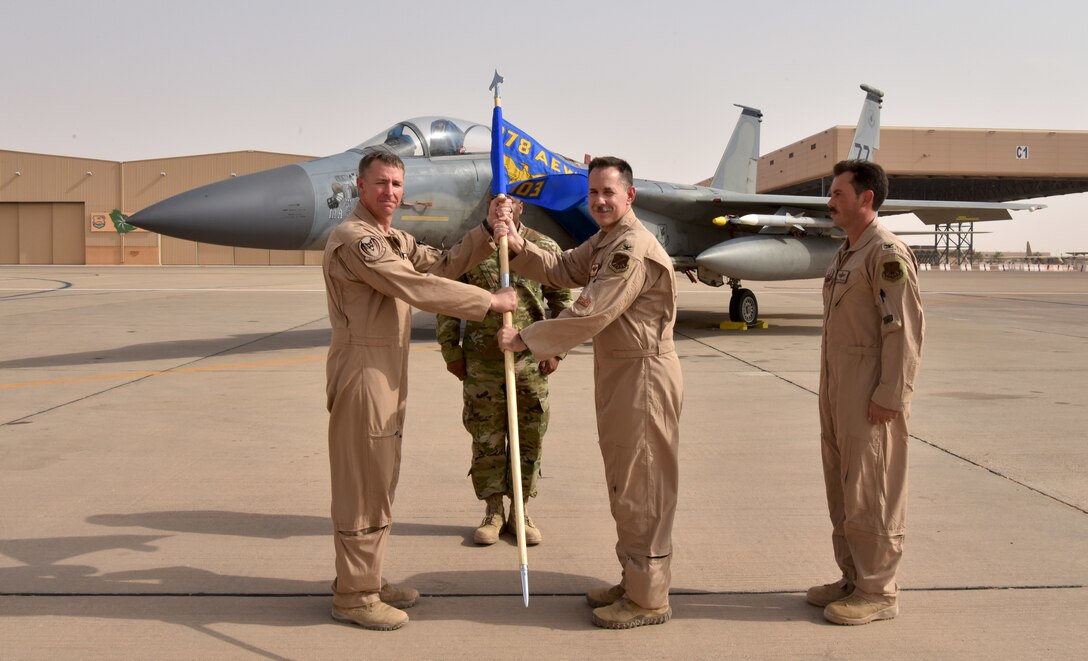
[954, 243]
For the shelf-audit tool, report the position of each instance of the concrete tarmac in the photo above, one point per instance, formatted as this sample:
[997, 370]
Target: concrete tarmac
[164, 481]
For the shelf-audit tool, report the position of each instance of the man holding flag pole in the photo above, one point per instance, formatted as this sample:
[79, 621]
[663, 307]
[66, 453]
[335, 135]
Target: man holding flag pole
[628, 307]
[374, 274]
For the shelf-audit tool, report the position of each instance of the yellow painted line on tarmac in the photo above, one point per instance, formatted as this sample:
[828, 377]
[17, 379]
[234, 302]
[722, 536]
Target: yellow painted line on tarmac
[188, 370]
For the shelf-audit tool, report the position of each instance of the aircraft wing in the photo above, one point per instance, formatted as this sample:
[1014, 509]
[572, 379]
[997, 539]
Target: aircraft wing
[935, 212]
[700, 204]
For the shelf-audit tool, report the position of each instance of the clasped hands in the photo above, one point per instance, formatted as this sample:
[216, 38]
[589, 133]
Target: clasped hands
[500, 215]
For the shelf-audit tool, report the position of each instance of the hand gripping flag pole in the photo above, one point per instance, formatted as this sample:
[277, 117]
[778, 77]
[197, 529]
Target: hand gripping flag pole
[498, 187]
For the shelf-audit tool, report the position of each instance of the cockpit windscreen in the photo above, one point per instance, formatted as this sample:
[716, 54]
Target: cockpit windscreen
[433, 136]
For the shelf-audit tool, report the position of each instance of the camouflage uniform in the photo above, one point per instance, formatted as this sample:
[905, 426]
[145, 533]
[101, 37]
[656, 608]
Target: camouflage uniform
[485, 377]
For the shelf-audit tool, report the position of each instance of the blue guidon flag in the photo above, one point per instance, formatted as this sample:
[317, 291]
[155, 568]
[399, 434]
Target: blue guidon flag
[523, 168]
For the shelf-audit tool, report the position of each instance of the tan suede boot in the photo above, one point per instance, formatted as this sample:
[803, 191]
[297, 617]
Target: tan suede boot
[626, 614]
[861, 608]
[376, 615]
[822, 595]
[491, 527]
[532, 533]
[399, 596]
[598, 597]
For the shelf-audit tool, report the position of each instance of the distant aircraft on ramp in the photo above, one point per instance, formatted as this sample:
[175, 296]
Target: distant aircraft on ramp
[720, 234]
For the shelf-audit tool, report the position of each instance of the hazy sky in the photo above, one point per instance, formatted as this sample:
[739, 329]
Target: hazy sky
[654, 82]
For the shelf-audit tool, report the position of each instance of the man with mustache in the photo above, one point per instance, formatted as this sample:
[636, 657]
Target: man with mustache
[628, 307]
[872, 344]
[374, 274]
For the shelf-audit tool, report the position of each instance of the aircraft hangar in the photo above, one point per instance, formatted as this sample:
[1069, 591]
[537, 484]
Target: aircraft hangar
[54, 209]
[978, 165]
[969, 164]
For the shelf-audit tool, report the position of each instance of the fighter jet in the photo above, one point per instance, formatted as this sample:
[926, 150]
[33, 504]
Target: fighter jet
[723, 233]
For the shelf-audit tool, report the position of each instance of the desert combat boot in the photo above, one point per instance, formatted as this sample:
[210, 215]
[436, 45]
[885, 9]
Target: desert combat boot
[491, 527]
[822, 595]
[626, 614]
[598, 597]
[532, 533]
[376, 615]
[861, 608]
[398, 596]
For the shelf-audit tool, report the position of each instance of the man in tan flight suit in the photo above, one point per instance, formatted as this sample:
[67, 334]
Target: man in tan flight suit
[373, 274]
[628, 307]
[872, 344]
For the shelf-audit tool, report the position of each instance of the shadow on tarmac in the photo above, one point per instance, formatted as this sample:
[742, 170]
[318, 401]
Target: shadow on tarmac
[183, 348]
[264, 526]
[250, 343]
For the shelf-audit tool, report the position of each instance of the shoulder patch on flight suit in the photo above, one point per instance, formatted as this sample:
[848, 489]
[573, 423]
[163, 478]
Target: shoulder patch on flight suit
[372, 248]
[892, 270]
[620, 263]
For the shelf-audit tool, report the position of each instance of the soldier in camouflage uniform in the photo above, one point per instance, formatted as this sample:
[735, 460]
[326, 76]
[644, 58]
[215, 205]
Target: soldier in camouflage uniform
[475, 358]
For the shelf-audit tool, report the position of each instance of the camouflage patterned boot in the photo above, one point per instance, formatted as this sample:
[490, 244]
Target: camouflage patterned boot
[491, 527]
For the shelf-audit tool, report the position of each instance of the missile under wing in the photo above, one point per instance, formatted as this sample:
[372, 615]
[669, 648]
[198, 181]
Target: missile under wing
[771, 237]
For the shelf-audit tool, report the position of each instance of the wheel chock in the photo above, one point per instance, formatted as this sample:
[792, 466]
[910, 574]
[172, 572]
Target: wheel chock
[740, 325]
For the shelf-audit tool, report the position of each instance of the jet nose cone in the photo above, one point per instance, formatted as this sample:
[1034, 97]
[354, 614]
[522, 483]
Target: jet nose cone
[270, 209]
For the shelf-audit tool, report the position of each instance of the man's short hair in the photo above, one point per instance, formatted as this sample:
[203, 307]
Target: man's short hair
[623, 166]
[382, 156]
[867, 176]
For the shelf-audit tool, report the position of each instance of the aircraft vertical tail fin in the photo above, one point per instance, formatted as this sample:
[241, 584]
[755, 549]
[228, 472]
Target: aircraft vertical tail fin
[737, 170]
[867, 134]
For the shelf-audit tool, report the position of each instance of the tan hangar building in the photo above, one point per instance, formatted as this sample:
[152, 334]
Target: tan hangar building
[54, 209]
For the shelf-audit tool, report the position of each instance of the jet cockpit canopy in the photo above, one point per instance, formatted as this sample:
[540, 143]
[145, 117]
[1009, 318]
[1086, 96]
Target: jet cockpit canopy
[433, 136]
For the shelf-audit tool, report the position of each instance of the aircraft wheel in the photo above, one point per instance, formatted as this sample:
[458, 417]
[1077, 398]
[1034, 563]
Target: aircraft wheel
[743, 306]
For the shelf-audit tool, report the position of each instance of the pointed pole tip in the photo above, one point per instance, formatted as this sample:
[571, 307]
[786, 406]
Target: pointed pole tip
[525, 584]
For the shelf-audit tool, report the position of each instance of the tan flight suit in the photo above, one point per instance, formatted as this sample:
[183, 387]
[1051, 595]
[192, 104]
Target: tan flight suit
[628, 307]
[872, 344]
[371, 279]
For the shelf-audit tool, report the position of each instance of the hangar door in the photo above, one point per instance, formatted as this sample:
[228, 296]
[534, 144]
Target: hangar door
[42, 233]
